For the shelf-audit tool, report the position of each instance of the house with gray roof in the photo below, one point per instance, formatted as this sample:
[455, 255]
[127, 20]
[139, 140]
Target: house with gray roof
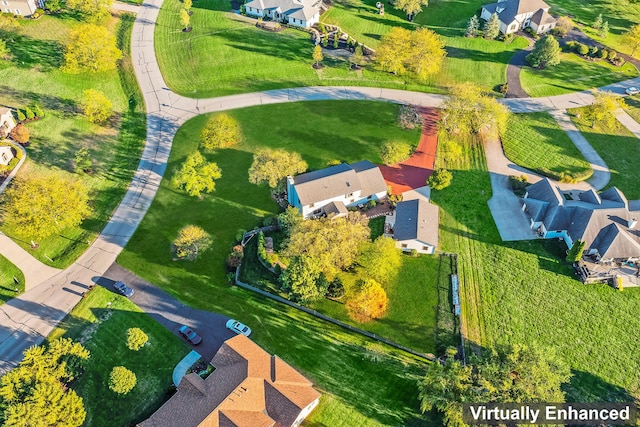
[332, 190]
[299, 13]
[603, 221]
[414, 225]
[516, 15]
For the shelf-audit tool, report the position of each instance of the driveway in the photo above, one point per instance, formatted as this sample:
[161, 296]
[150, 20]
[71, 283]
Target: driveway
[170, 312]
[518, 60]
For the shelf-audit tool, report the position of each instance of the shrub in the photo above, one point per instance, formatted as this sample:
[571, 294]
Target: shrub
[414, 253]
[508, 38]
[518, 184]
[240, 234]
[29, 113]
[409, 117]
[582, 49]
[191, 242]
[394, 152]
[371, 203]
[369, 302]
[321, 28]
[221, 131]
[335, 289]
[570, 46]
[20, 134]
[122, 380]
[593, 50]
[612, 54]
[575, 253]
[602, 53]
[83, 160]
[96, 106]
[441, 178]
[504, 88]
[38, 111]
[325, 40]
[136, 339]
[234, 259]
[21, 116]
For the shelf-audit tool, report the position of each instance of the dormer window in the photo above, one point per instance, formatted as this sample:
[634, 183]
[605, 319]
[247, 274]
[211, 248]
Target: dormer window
[348, 195]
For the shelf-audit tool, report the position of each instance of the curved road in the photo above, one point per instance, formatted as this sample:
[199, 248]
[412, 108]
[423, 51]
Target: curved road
[28, 319]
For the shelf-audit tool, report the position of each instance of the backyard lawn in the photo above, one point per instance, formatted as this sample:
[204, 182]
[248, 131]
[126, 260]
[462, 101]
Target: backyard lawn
[100, 322]
[33, 76]
[8, 287]
[618, 147]
[573, 74]
[536, 142]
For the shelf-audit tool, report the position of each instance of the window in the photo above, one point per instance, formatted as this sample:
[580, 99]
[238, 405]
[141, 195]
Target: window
[5, 3]
[349, 195]
[18, 12]
[369, 197]
[425, 248]
[312, 205]
[404, 245]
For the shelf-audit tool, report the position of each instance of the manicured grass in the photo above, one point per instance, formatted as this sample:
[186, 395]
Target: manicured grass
[521, 292]
[618, 147]
[536, 142]
[573, 74]
[33, 76]
[100, 322]
[364, 391]
[8, 288]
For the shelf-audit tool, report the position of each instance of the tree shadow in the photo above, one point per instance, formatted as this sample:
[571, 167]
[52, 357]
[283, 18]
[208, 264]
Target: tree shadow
[29, 52]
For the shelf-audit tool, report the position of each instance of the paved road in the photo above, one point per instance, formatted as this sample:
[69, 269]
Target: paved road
[34, 271]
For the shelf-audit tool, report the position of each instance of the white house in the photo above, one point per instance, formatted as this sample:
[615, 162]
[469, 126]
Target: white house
[333, 189]
[6, 155]
[299, 13]
[414, 225]
[515, 15]
[19, 7]
[6, 122]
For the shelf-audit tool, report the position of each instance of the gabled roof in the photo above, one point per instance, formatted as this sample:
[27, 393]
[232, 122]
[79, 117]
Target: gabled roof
[248, 388]
[416, 220]
[508, 10]
[615, 241]
[615, 195]
[546, 191]
[4, 110]
[337, 209]
[542, 17]
[591, 196]
[300, 9]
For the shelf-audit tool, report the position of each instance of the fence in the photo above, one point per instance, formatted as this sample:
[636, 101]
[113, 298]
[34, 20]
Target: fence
[457, 300]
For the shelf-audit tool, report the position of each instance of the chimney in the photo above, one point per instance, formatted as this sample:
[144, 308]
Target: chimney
[632, 223]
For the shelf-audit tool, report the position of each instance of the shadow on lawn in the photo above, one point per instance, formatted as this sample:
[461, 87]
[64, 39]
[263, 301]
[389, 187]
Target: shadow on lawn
[587, 387]
[29, 52]
[64, 106]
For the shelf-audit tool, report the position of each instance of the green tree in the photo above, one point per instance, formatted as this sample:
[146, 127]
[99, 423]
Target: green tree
[632, 38]
[185, 19]
[468, 109]
[564, 24]
[38, 206]
[191, 242]
[83, 160]
[187, 4]
[473, 26]
[357, 57]
[90, 48]
[380, 259]
[196, 175]
[369, 302]
[575, 253]
[55, 5]
[492, 27]
[91, 10]
[603, 107]
[317, 54]
[221, 131]
[96, 106]
[4, 50]
[304, 280]
[597, 24]
[273, 166]
[289, 220]
[21, 116]
[420, 52]
[394, 152]
[604, 30]
[8, 23]
[122, 380]
[546, 53]
[439, 179]
[393, 49]
[29, 113]
[411, 7]
[136, 339]
[38, 111]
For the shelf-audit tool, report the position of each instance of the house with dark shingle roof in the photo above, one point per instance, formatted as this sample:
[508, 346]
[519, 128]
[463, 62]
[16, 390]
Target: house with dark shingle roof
[414, 225]
[299, 13]
[248, 388]
[331, 190]
[516, 15]
[603, 221]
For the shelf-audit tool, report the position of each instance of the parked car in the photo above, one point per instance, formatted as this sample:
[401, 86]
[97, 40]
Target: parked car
[123, 289]
[632, 90]
[238, 328]
[190, 335]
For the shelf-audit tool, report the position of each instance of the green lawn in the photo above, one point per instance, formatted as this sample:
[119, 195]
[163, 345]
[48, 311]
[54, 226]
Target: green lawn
[521, 292]
[34, 76]
[536, 142]
[8, 287]
[100, 322]
[573, 74]
[618, 147]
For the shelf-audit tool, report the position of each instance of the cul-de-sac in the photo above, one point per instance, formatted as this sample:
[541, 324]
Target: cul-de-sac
[320, 213]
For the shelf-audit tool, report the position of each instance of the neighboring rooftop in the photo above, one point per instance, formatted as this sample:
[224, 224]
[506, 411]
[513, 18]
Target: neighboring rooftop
[416, 220]
[300, 9]
[507, 10]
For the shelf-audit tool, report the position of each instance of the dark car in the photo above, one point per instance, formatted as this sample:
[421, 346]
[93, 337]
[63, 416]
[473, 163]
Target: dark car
[123, 289]
[190, 335]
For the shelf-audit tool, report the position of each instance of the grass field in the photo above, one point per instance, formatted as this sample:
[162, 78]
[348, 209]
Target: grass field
[536, 142]
[100, 322]
[618, 147]
[8, 287]
[573, 74]
[34, 76]
[521, 292]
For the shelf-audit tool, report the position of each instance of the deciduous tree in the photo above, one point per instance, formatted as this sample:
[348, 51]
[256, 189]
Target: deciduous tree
[546, 53]
[575, 253]
[393, 49]
[96, 106]
[8, 23]
[604, 30]
[185, 19]
[492, 27]
[289, 220]
[83, 160]
[136, 338]
[603, 108]
[221, 131]
[196, 175]
[187, 4]
[420, 51]
[564, 24]
[303, 278]
[273, 166]
[439, 179]
[394, 152]
[357, 57]
[632, 38]
[20, 134]
[122, 380]
[411, 7]
[473, 26]
[4, 50]
[597, 24]
[191, 242]
[39, 206]
[380, 259]
[91, 10]
[468, 109]
[368, 302]
[317, 54]
[91, 48]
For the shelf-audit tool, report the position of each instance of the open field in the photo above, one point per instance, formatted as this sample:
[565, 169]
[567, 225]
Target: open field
[618, 147]
[8, 287]
[573, 74]
[33, 76]
[100, 322]
[536, 142]
[523, 291]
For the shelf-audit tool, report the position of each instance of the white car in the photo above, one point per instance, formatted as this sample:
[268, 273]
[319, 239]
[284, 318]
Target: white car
[238, 328]
[632, 90]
